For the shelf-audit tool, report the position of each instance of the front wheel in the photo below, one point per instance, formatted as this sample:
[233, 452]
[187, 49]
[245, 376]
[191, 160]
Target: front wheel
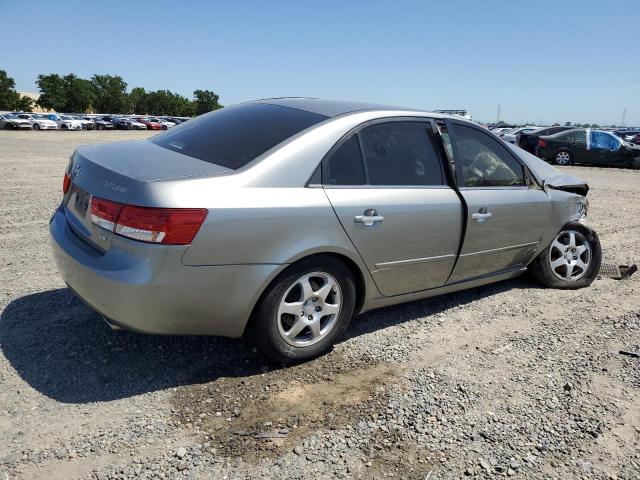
[563, 158]
[304, 310]
[571, 261]
[36, 126]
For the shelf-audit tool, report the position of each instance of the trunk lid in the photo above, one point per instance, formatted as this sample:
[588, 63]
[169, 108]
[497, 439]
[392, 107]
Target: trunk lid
[113, 172]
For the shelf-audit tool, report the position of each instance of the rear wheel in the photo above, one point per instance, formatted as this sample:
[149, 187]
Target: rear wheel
[8, 126]
[36, 126]
[304, 310]
[563, 157]
[100, 127]
[571, 261]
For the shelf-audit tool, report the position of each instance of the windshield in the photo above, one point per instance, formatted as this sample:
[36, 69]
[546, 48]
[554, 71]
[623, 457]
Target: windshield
[234, 136]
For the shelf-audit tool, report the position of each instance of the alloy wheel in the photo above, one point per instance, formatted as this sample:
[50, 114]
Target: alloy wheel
[570, 255]
[309, 309]
[563, 158]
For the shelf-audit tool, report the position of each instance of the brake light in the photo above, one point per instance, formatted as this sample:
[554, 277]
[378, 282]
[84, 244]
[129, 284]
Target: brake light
[169, 226]
[542, 143]
[66, 183]
[104, 213]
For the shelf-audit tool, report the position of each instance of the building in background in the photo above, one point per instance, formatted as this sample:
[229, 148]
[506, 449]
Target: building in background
[34, 97]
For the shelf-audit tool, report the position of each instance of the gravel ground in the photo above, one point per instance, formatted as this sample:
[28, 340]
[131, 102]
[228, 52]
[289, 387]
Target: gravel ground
[507, 380]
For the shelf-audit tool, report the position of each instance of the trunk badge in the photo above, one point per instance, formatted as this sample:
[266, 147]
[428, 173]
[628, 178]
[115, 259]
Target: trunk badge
[77, 170]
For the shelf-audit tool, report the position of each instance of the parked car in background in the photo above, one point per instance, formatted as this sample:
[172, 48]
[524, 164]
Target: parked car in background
[136, 124]
[10, 121]
[165, 123]
[86, 123]
[150, 125]
[100, 123]
[635, 140]
[175, 120]
[283, 218]
[594, 147]
[65, 122]
[529, 140]
[626, 134]
[512, 135]
[38, 122]
[120, 123]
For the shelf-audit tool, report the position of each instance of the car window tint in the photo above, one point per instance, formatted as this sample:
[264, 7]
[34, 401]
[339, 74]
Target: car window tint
[482, 161]
[344, 166]
[234, 136]
[401, 153]
[580, 136]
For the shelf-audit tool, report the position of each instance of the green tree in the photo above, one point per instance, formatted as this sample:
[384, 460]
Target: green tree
[8, 94]
[165, 102]
[205, 101]
[139, 101]
[79, 94]
[23, 104]
[52, 92]
[110, 94]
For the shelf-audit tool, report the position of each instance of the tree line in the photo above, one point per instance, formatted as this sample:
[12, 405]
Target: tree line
[104, 94]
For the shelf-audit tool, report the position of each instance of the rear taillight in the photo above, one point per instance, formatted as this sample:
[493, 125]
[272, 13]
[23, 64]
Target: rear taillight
[66, 183]
[541, 143]
[104, 213]
[170, 226]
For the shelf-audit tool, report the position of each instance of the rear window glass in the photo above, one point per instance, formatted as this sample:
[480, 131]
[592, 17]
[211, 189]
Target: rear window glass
[234, 136]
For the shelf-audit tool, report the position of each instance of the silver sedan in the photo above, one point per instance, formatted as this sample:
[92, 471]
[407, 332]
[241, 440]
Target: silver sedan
[282, 218]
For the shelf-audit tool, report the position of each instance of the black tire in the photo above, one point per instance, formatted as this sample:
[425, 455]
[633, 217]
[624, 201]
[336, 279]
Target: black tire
[99, 127]
[164, 127]
[543, 273]
[64, 127]
[9, 126]
[635, 163]
[560, 156]
[36, 126]
[264, 330]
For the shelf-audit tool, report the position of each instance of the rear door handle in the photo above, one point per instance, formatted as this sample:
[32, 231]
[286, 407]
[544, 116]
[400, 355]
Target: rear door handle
[482, 215]
[369, 218]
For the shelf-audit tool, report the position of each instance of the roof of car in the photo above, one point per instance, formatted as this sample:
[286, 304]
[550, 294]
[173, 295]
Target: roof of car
[332, 108]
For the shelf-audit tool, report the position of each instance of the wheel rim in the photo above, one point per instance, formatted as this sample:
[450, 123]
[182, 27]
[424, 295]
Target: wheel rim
[563, 158]
[309, 309]
[570, 255]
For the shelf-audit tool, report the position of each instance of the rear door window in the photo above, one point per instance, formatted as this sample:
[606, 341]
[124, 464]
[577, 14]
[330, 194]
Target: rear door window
[401, 153]
[234, 136]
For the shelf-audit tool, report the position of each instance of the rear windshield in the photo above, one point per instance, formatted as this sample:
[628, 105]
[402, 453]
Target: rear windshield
[234, 136]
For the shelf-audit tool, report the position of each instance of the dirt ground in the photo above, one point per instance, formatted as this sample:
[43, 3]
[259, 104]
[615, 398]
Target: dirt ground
[508, 380]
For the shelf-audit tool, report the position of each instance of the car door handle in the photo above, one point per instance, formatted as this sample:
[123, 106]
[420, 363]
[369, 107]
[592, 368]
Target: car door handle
[369, 218]
[482, 216]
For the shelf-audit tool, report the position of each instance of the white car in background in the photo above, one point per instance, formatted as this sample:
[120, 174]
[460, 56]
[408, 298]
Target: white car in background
[65, 122]
[38, 122]
[511, 136]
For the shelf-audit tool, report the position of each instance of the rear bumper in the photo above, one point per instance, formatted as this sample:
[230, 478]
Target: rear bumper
[146, 288]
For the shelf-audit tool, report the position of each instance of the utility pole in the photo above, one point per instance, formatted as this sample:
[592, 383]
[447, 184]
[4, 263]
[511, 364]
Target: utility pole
[624, 116]
[498, 117]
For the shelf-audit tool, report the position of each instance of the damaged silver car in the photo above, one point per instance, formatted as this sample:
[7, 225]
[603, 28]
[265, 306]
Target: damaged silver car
[282, 218]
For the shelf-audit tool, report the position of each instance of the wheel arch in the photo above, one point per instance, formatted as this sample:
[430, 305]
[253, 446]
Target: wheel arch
[356, 269]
